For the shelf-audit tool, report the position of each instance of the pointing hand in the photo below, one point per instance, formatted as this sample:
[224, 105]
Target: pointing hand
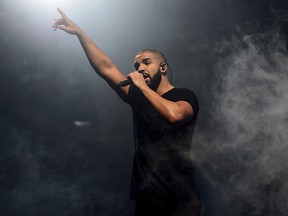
[65, 24]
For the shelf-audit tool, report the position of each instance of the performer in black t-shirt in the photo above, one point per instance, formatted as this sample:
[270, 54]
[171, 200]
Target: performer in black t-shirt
[164, 119]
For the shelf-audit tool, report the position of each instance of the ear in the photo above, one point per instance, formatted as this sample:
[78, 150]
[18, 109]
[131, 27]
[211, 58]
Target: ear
[163, 66]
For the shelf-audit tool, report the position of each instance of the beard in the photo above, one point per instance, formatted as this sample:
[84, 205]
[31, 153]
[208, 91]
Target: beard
[155, 81]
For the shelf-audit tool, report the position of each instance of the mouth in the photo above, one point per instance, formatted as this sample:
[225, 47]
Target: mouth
[146, 78]
[145, 75]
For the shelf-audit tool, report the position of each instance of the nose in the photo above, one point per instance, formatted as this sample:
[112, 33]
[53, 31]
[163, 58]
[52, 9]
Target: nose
[141, 71]
[141, 68]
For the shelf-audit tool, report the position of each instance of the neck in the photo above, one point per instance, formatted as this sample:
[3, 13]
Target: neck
[164, 86]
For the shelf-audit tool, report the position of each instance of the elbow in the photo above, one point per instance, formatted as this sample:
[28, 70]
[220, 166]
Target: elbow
[174, 118]
[179, 117]
[102, 65]
[106, 63]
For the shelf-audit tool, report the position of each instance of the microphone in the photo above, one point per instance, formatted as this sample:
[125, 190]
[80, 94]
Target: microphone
[129, 81]
[125, 82]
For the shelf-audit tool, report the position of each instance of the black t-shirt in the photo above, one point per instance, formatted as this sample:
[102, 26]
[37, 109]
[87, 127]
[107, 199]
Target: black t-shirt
[162, 167]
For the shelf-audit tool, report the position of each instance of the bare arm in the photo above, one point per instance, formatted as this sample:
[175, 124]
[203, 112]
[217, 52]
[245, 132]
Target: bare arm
[100, 62]
[179, 111]
[174, 112]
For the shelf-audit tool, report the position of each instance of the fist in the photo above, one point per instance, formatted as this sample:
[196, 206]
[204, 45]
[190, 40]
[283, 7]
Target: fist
[138, 79]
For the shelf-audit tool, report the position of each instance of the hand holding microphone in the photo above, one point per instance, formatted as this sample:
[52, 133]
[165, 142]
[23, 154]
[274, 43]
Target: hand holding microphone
[129, 79]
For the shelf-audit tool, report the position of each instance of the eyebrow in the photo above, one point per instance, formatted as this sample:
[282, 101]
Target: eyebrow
[146, 59]
[143, 60]
[136, 64]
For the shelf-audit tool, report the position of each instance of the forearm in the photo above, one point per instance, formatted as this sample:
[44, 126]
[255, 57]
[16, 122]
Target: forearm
[172, 111]
[100, 62]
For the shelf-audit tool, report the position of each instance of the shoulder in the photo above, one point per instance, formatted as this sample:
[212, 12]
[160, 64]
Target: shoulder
[183, 91]
[184, 94]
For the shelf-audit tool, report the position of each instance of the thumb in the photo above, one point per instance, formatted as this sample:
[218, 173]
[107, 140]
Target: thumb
[62, 28]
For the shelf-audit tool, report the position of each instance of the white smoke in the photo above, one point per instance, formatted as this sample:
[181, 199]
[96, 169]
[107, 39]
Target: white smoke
[246, 159]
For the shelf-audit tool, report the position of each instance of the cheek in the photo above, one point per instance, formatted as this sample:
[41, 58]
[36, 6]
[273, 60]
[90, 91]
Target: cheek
[154, 71]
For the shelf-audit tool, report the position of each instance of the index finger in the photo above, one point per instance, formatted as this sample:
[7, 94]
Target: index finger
[62, 13]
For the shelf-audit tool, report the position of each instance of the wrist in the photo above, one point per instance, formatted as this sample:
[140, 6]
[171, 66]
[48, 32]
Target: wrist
[145, 89]
[79, 33]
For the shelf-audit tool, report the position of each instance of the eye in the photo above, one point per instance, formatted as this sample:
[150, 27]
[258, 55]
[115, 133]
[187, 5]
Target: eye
[146, 61]
[136, 65]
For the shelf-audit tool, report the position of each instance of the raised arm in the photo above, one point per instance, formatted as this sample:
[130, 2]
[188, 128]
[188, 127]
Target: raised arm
[100, 62]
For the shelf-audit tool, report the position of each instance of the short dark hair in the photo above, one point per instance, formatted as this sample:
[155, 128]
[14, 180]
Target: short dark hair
[156, 52]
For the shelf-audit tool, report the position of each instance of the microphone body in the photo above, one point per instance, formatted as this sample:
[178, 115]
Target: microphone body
[125, 83]
[129, 81]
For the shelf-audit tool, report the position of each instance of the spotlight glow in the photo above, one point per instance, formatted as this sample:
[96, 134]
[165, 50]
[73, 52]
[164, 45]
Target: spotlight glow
[35, 4]
[40, 10]
[54, 3]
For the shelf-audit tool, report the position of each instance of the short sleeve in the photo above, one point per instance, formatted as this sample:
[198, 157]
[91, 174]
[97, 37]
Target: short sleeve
[183, 94]
[191, 98]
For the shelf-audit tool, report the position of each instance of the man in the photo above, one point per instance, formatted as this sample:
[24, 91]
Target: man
[164, 118]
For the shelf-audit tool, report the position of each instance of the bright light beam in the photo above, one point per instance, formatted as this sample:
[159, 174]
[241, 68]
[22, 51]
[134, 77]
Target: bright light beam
[34, 7]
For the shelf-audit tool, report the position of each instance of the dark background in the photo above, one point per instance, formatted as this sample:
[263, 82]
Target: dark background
[66, 139]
